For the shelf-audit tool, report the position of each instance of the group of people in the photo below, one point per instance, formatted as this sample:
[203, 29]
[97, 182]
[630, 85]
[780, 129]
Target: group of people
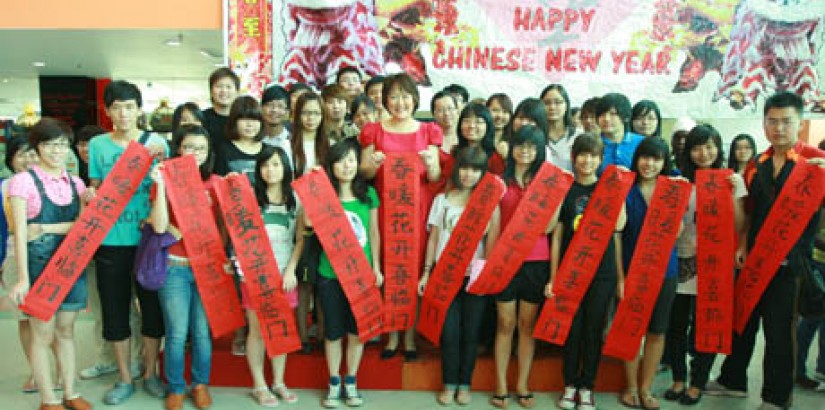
[347, 130]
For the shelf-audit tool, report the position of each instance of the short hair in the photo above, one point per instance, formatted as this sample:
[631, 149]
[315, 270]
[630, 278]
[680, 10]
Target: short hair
[13, 146]
[361, 100]
[121, 90]
[700, 135]
[644, 107]
[822, 145]
[222, 73]
[656, 148]
[190, 107]
[186, 130]
[48, 129]
[567, 118]
[784, 99]
[405, 83]
[488, 140]
[295, 87]
[458, 89]
[345, 70]
[589, 105]
[439, 95]
[275, 92]
[503, 100]
[376, 80]
[86, 132]
[333, 91]
[587, 142]
[528, 134]
[617, 101]
[468, 157]
[244, 107]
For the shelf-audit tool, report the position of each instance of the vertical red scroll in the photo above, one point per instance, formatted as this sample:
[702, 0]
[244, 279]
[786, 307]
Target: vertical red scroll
[715, 249]
[529, 221]
[400, 239]
[647, 269]
[448, 274]
[583, 255]
[80, 244]
[262, 277]
[203, 244]
[801, 196]
[351, 266]
[249, 35]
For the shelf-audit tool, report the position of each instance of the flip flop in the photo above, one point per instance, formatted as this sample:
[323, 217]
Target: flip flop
[650, 402]
[634, 402]
[500, 401]
[526, 400]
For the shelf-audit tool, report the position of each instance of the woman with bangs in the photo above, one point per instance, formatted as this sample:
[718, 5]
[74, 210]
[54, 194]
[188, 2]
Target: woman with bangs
[476, 130]
[561, 131]
[462, 326]
[501, 109]
[517, 305]
[651, 159]
[646, 120]
[703, 150]
[742, 152]
[244, 133]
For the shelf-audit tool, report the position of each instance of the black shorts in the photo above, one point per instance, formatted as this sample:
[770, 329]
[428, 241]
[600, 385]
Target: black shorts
[659, 319]
[528, 284]
[338, 317]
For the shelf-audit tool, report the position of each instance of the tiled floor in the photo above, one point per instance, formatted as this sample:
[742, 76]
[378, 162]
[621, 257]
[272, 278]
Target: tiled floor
[13, 371]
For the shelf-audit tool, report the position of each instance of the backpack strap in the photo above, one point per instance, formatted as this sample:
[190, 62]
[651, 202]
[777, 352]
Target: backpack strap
[144, 138]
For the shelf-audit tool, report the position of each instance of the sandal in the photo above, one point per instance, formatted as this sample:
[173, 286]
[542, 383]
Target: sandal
[649, 401]
[264, 397]
[463, 398]
[445, 398]
[285, 394]
[29, 386]
[500, 401]
[630, 399]
[526, 400]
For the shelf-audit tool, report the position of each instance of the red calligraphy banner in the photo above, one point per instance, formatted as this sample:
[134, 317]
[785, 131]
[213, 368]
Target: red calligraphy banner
[799, 199]
[715, 247]
[262, 278]
[529, 221]
[647, 269]
[203, 244]
[80, 244]
[448, 275]
[400, 239]
[249, 31]
[583, 255]
[351, 266]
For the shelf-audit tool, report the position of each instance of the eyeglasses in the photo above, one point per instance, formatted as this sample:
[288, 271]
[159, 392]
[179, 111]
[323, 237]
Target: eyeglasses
[195, 149]
[55, 146]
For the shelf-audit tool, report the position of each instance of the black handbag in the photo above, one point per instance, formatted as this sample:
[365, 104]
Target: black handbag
[307, 268]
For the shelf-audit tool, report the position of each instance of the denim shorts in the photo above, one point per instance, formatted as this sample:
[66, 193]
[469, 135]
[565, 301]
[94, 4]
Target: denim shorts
[41, 251]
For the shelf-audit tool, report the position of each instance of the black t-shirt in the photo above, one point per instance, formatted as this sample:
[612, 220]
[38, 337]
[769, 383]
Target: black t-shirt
[572, 210]
[229, 158]
[216, 125]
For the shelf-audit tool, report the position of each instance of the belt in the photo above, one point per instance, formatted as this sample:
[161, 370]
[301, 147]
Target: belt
[178, 262]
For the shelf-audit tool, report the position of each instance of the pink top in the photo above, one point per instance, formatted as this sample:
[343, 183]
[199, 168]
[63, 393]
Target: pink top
[509, 203]
[57, 189]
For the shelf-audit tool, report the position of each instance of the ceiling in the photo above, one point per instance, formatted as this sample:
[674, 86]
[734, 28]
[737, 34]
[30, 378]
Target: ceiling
[117, 54]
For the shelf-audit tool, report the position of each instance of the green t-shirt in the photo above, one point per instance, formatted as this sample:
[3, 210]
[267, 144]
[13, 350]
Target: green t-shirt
[358, 214]
[103, 154]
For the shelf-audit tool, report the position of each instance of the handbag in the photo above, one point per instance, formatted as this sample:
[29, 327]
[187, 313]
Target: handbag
[151, 257]
[307, 268]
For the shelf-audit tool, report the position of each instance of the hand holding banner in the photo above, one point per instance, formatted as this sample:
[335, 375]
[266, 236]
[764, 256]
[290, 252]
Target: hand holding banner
[799, 199]
[715, 247]
[354, 272]
[400, 239]
[203, 244]
[583, 255]
[647, 269]
[529, 221]
[447, 277]
[262, 277]
[80, 244]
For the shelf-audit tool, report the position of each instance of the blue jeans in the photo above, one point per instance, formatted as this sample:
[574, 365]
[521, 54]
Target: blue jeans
[183, 314]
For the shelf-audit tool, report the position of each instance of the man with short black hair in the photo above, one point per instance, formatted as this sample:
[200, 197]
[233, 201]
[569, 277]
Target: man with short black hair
[223, 88]
[613, 115]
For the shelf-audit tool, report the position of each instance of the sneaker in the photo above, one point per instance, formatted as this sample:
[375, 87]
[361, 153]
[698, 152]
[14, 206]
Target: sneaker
[354, 399]
[769, 406]
[98, 369]
[119, 393]
[821, 387]
[586, 400]
[819, 376]
[333, 398]
[567, 401]
[714, 388]
[153, 386]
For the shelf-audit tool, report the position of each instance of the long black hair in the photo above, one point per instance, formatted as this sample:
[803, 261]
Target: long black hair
[732, 162]
[488, 140]
[652, 147]
[336, 153]
[528, 134]
[700, 135]
[186, 130]
[531, 108]
[567, 118]
[286, 183]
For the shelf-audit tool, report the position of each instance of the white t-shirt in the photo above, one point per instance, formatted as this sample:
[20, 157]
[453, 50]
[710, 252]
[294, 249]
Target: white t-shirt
[445, 216]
